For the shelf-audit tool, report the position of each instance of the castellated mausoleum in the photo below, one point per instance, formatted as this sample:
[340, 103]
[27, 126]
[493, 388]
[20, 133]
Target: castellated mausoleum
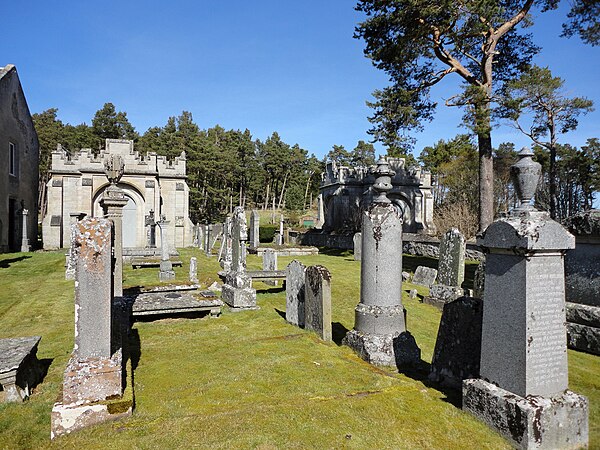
[154, 186]
[345, 190]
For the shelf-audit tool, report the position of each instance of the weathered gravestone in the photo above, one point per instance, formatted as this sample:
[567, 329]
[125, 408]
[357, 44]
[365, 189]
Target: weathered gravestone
[166, 271]
[379, 335]
[20, 369]
[523, 390]
[479, 280]
[451, 269]
[225, 254]
[269, 262]
[317, 304]
[237, 291]
[458, 344]
[193, 270]
[254, 232]
[295, 293]
[357, 242]
[93, 384]
[424, 276]
[71, 256]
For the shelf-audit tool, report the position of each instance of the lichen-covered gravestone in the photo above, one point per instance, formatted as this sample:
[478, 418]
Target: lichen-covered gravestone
[523, 390]
[269, 262]
[193, 270]
[317, 305]
[424, 276]
[295, 293]
[357, 241]
[254, 232]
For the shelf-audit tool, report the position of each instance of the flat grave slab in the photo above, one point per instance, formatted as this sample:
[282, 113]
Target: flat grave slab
[138, 263]
[176, 302]
[19, 367]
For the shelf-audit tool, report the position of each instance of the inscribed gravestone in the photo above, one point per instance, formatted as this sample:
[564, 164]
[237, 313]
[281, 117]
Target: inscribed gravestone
[193, 270]
[269, 262]
[317, 305]
[451, 266]
[295, 293]
[424, 276]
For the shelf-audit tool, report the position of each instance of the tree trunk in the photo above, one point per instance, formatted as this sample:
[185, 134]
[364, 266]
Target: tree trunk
[486, 171]
[552, 171]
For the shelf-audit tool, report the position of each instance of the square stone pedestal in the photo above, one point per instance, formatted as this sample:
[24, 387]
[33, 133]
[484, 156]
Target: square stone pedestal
[384, 349]
[531, 422]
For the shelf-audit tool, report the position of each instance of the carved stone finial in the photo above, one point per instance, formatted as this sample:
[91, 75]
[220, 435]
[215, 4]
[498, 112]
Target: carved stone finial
[114, 166]
[383, 181]
[525, 175]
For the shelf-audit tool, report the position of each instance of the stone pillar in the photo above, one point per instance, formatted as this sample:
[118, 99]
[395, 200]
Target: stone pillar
[280, 242]
[166, 272]
[523, 391]
[151, 225]
[254, 229]
[269, 262]
[295, 293]
[320, 212]
[380, 336]
[237, 291]
[94, 372]
[317, 306]
[112, 203]
[357, 244]
[25, 247]
[208, 232]
[193, 270]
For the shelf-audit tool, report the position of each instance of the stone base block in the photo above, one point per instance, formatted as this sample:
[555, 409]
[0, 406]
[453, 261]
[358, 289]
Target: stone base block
[384, 350]
[239, 297]
[583, 338]
[166, 275]
[93, 379]
[529, 423]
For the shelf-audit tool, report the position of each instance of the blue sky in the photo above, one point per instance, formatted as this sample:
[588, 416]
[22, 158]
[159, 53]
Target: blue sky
[265, 65]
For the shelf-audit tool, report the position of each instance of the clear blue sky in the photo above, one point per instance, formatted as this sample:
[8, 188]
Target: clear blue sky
[265, 65]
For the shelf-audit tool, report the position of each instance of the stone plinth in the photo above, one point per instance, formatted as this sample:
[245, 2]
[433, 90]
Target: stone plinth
[20, 369]
[295, 293]
[238, 292]
[317, 305]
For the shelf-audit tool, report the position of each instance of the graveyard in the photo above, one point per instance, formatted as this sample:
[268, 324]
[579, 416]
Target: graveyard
[249, 379]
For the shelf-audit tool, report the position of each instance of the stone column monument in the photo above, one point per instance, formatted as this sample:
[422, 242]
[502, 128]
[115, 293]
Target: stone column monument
[254, 229]
[112, 203]
[151, 224]
[166, 272]
[523, 391]
[25, 247]
[237, 291]
[379, 334]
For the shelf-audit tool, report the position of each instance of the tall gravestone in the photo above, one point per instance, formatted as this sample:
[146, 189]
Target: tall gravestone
[379, 335]
[112, 203]
[269, 262]
[225, 252]
[193, 270]
[237, 291]
[451, 269]
[207, 237]
[166, 271]
[357, 241]
[295, 293]
[523, 391]
[94, 372]
[254, 232]
[317, 305]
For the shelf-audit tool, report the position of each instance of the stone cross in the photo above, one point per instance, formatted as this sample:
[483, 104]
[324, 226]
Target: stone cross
[317, 305]
[379, 335]
[295, 293]
[254, 229]
[269, 262]
[25, 247]
[523, 387]
[193, 270]
[166, 267]
[112, 202]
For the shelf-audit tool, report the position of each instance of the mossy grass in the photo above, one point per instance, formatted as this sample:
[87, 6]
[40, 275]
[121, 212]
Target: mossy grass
[249, 379]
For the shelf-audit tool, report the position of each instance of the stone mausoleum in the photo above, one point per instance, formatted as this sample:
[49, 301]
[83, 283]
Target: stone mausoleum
[153, 186]
[344, 191]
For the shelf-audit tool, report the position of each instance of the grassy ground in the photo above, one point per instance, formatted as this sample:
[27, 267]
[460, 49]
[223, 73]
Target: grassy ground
[247, 379]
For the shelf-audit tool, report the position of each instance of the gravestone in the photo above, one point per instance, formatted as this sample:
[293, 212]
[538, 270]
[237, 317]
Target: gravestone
[208, 232]
[357, 241]
[317, 304]
[479, 280]
[237, 291]
[225, 254]
[254, 232]
[193, 270]
[424, 276]
[71, 256]
[280, 238]
[451, 270]
[150, 223]
[458, 344]
[92, 384]
[295, 293]
[379, 335]
[165, 272]
[269, 262]
[523, 391]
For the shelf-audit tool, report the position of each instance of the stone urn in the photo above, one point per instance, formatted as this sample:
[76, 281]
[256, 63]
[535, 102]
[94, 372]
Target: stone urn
[383, 182]
[525, 175]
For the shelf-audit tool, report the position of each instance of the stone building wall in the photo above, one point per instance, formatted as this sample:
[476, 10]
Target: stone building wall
[345, 190]
[151, 183]
[19, 182]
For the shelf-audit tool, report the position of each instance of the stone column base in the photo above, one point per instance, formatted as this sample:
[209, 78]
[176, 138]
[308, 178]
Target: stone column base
[242, 298]
[384, 349]
[529, 423]
[68, 418]
[166, 272]
[93, 379]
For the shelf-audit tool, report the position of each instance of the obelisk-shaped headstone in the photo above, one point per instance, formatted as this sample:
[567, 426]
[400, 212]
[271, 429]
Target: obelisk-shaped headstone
[254, 232]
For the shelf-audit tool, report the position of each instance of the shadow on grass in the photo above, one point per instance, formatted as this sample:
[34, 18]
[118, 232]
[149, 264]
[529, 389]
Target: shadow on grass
[43, 365]
[411, 262]
[280, 312]
[5, 264]
[335, 252]
[420, 372]
[338, 332]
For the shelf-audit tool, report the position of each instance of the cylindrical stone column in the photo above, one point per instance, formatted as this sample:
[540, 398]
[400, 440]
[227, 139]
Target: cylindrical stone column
[25, 247]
